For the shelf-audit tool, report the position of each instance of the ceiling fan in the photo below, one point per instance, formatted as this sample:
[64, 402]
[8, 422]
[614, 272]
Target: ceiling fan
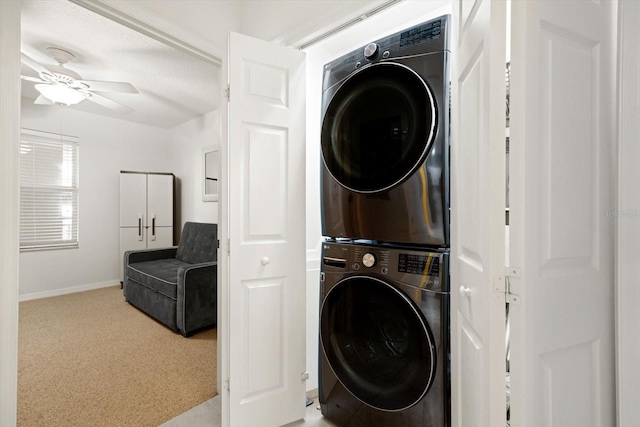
[60, 85]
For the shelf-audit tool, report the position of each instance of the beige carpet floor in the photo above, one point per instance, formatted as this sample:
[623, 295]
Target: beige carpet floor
[91, 360]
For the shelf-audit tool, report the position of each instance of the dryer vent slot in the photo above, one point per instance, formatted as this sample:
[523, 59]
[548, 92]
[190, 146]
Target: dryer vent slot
[334, 262]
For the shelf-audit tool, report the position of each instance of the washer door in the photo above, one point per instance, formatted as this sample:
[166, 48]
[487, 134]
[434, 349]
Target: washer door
[378, 128]
[377, 343]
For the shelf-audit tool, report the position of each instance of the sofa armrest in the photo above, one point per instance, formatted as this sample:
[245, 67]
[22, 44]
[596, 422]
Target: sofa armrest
[197, 297]
[131, 257]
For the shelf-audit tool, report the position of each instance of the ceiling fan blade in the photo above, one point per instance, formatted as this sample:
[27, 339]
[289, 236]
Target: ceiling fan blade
[102, 86]
[33, 64]
[32, 79]
[43, 101]
[112, 105]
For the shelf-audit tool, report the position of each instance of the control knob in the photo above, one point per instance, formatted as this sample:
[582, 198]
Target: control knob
[369, 260]
[371, 50]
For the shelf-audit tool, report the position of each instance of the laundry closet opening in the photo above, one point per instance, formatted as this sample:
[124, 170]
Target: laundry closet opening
[383, 176]
[395, 19]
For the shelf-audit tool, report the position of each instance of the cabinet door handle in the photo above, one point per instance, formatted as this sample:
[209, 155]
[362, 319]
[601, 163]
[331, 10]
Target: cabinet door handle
[140, 227]
[153, 228]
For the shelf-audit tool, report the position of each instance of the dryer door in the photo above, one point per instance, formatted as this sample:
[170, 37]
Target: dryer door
[378, 127]
[377, 343]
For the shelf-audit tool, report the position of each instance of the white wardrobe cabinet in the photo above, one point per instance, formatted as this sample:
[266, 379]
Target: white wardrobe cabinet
[146, 211]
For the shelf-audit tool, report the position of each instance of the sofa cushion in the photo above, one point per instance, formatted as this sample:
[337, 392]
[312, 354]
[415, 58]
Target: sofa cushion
[160, 275]
[198, 243]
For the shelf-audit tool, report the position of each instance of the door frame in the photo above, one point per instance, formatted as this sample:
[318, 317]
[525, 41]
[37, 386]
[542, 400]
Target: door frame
[144, 23]
[9, 218]
[627, 216]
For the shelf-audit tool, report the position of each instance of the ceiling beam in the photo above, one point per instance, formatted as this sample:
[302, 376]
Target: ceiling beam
[125, 17]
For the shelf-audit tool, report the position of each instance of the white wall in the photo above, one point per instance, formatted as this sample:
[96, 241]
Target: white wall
[107, 146]
[185, 153]
[394, 19]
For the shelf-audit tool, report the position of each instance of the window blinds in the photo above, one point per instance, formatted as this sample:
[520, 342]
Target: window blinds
[48, 190]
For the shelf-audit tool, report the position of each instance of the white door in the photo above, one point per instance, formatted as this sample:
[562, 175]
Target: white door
[133, 199]
[478, 395]
[160, 200]
[159, 210]
[163, 237]
[133, 214]
[132, 239]
[562, 150]
[266, 178]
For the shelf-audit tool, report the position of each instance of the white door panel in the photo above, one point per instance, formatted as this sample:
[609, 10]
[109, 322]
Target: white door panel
[160, 200]
[477, 215]
[267, 234]
[133, 199]
[163, 237]
[561, 153]
[131, 239]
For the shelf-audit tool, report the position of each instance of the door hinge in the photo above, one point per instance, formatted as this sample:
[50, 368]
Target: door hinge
[227, 92]
[226, 384]
[229, 246]
[511, 272]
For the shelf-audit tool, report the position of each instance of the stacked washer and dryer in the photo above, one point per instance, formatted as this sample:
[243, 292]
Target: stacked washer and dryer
[384, 292]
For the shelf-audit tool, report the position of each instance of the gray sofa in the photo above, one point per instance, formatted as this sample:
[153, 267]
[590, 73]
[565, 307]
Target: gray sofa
[176, 286]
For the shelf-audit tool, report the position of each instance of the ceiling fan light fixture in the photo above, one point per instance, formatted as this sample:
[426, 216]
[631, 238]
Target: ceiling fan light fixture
[60, 94]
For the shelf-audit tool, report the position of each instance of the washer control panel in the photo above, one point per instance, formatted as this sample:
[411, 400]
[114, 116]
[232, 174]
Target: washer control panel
[369, 260]
[428, 270]
[372, 258]
[419, 264]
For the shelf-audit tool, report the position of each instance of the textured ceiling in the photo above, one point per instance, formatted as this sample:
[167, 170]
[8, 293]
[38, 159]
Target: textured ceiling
[174, 86]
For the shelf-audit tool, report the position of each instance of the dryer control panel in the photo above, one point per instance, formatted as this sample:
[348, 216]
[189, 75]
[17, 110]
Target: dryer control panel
[429, 31]
[425, 38]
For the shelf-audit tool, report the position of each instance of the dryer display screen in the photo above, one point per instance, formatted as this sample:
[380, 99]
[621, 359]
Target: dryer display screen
[419, 264]
[430, 31]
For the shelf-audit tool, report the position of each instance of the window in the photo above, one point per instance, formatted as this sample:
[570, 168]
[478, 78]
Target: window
[48, 191]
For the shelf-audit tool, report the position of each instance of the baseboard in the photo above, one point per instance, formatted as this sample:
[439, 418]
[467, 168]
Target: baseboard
[70, 290]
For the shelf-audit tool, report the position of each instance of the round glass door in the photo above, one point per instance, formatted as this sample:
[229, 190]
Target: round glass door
[378, 128]
[377, 343]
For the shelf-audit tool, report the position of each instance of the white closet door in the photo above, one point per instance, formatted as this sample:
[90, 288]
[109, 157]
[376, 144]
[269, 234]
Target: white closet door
[478, 377]
[160, 200]
[562, 152]
[132, 238]
[163, 237]
[133, 199]
[267, 275]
